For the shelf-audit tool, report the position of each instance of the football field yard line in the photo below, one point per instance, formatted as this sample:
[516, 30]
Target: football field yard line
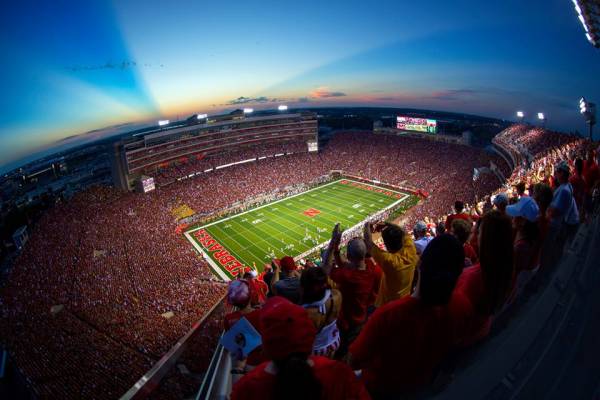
[230, 248]
[283, 223]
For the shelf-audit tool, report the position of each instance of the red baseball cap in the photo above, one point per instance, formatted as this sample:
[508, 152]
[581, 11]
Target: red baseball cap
[285, 329]
[288, 264]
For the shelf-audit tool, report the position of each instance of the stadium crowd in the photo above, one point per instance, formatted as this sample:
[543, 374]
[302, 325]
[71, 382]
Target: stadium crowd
[108, 272]
[396, 315]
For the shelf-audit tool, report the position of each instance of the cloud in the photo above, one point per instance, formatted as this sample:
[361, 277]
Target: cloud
[323, 92]
[244, 100]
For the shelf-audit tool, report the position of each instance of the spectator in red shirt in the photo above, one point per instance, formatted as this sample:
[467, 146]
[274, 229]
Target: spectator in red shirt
[488, 284]
[461, 229]
[406, 339]
[578, 183]
[239, 295]
[458, 207]
[524, 219]
[287, 337]
[258, 289]
[591, 172]
[358, 281]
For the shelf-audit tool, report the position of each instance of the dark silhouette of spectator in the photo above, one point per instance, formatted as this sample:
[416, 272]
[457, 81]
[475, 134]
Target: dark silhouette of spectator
[406, 339]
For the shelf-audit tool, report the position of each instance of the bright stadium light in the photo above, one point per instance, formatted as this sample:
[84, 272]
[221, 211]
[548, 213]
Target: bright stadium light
[541, 116]
[282, 108]
[248, 110]
[163, 122]
[202, 116]
[588, 110]
[582, 106]
[520, 114]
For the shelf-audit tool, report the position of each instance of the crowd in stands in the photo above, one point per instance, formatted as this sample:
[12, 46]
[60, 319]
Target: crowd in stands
[108, 272]
[412, 310]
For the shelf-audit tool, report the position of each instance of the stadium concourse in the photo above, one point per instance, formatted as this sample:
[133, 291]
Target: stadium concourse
[107, 283]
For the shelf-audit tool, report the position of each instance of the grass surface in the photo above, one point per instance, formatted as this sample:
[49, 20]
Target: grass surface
[290, 226]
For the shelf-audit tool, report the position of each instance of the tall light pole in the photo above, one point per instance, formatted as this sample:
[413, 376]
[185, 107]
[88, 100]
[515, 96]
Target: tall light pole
[520, 115]
[542, 118]
[588, 110]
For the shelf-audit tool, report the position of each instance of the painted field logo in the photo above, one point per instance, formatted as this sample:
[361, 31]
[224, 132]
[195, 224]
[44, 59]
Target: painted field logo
[311, 212]
[223, 257]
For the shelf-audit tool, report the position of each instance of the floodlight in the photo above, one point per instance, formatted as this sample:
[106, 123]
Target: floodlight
[541, 116]
[282, 107]
[520, 114]
[248, 110]
[587, 35]
[202, 116]
[163, 122]
[583, 110]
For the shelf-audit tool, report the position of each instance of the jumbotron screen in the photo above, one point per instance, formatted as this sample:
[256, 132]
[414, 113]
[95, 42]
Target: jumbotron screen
[416, 124]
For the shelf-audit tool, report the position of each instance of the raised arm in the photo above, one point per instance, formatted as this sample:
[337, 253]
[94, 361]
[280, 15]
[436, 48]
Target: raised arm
[334, 244]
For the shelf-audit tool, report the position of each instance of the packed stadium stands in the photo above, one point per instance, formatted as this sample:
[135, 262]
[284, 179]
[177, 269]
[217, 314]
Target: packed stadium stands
[113, 284]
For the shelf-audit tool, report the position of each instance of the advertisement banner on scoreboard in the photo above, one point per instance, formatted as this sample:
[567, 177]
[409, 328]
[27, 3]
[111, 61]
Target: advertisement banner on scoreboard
[424, 125]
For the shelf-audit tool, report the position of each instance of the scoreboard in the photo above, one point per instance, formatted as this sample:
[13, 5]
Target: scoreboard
[416, 124]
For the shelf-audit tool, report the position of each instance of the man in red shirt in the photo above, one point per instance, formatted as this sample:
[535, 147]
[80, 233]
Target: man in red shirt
[287, 338]
[578, 183]
[405, 340]
[458, 207]
[358, 280]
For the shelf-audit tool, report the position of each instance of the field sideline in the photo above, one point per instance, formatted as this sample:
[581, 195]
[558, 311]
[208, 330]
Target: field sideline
[290, 226]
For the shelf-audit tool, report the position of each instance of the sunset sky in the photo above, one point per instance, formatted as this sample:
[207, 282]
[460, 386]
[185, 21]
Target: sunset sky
[72, 67]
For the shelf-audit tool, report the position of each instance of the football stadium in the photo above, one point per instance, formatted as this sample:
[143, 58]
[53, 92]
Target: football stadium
[324, 214]
[294, 225]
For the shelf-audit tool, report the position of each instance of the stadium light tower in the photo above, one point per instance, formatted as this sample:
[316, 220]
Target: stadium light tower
[202, 116]
[588, 110]
[248, 110]
[282, 107]
[520, 115]
[542, 118]
[163, 122]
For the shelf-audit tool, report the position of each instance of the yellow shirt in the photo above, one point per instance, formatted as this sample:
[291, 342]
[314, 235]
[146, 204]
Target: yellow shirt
[398, 271]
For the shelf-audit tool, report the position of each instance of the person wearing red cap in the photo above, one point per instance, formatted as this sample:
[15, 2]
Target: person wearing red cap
[405, 340]
[287, 339]
[286, 279]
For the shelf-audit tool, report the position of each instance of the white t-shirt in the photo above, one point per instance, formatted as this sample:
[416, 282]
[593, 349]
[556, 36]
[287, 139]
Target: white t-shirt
[422, 243]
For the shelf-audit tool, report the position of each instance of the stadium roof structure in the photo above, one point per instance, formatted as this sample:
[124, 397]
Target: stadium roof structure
[589, 15]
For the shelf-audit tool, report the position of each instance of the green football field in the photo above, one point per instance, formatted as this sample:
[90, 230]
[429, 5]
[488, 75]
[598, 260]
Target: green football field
[292, 226]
